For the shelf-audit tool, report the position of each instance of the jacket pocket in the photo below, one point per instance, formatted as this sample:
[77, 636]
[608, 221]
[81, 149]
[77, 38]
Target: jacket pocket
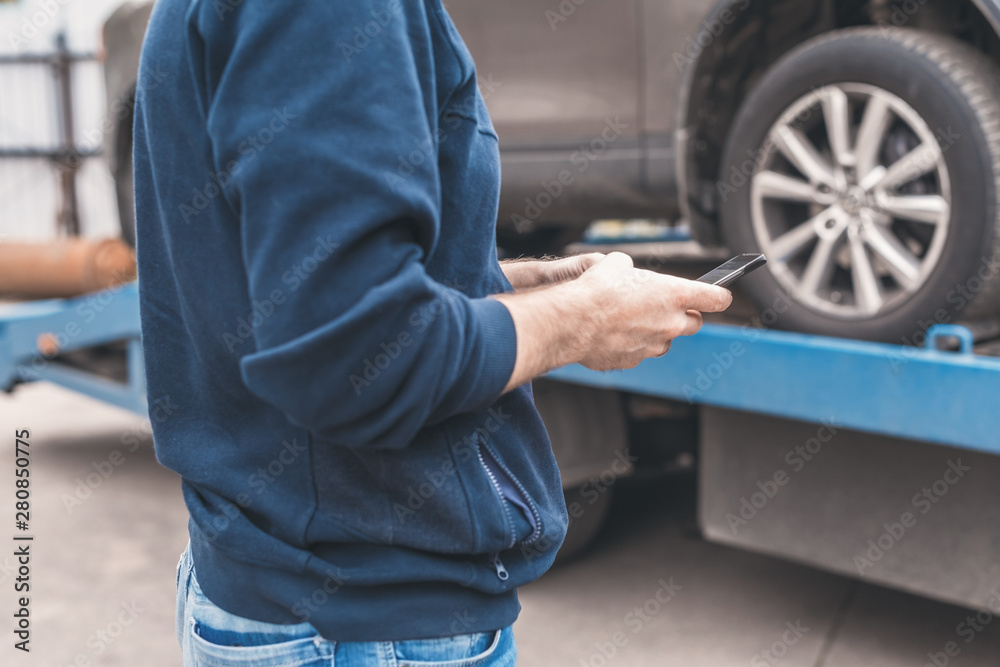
[521, 516]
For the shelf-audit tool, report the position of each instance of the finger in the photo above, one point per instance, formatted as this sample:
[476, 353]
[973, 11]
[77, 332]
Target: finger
[707, 298]
[666, 348]
[693, 323]
[581, 263]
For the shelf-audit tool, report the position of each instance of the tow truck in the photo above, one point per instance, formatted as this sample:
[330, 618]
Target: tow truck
[872, 460]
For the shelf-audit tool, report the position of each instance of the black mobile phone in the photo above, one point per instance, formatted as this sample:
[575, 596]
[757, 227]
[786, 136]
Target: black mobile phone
[737, 267]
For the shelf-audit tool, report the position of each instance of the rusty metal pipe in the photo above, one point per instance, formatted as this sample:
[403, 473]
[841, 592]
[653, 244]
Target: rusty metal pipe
[64, 268]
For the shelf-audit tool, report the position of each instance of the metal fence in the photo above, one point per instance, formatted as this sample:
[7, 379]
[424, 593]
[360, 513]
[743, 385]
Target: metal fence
[53, 178]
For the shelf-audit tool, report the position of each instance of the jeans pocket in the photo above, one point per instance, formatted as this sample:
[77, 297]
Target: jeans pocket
[218, 638]
[180, 613]
[456, 651]
[177, 573]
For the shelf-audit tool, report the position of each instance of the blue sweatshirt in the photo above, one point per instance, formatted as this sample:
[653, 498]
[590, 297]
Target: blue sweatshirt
[316, 194]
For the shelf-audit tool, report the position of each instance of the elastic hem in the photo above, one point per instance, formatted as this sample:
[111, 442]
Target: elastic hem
[341, 612]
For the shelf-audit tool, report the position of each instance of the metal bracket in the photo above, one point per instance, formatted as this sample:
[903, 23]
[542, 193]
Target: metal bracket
[940, 332]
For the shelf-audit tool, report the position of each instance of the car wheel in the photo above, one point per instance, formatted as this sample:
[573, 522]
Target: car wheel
[865, 165]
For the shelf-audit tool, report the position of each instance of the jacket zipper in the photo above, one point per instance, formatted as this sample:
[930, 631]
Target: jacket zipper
[502, 573]
[537, 523]
[499, 490]
[498, 566]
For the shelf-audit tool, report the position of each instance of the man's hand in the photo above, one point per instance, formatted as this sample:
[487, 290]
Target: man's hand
[612, 317]
[525, 274]
[637, 313]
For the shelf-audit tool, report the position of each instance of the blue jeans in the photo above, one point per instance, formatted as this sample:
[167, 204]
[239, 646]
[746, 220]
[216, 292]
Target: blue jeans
[212, 637]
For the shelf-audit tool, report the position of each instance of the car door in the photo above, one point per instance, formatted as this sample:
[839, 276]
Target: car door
[554, 71]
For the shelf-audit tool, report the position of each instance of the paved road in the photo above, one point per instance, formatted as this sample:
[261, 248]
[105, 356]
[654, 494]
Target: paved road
[651, 592]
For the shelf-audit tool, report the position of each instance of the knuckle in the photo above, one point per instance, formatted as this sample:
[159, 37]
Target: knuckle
[622, 257]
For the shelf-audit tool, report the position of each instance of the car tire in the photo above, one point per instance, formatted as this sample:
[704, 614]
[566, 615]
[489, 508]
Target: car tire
[857, 247]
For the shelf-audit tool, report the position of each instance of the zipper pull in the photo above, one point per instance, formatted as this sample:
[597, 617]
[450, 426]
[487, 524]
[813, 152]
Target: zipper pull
[502, 573]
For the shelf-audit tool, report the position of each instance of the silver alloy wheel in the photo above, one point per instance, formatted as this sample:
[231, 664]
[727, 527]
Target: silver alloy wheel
[851, 200]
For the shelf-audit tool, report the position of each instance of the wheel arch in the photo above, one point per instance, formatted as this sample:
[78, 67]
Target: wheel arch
[990, 9]
[122, 37]
[747, 41]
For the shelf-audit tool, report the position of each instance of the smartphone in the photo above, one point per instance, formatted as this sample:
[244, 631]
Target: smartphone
[737, 267]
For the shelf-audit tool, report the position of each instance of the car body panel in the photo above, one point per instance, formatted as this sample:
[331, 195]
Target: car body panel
[554, 74]
[558, 76]
[562, 82]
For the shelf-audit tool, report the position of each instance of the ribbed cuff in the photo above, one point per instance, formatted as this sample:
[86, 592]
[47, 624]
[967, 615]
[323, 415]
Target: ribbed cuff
[497, 351]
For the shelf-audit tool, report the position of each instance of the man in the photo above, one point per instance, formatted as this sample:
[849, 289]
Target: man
[367, 477]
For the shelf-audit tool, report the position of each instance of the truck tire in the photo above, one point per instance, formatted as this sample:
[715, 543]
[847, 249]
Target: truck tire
[588, 430]
[866, 165]
[585, 527]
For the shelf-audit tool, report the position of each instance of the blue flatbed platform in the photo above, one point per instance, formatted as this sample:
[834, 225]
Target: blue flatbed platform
[109, 316]
[948, 398]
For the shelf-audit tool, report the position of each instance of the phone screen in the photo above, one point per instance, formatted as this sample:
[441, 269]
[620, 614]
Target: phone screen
[727, 273]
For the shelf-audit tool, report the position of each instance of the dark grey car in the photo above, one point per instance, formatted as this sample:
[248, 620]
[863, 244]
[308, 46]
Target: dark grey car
[855, 142]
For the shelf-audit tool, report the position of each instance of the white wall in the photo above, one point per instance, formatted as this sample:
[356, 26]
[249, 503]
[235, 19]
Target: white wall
[29, 194]
[31, 25]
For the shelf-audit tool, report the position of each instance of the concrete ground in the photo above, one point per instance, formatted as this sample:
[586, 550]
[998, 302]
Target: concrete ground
[651, 592]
